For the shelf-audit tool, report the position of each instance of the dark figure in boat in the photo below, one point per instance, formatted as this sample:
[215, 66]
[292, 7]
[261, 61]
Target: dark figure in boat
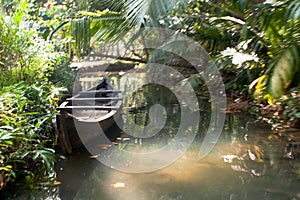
[104, 85]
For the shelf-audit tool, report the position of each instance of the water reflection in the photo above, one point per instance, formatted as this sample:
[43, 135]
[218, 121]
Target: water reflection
[185, 179]
[188, 178]
[248, 161]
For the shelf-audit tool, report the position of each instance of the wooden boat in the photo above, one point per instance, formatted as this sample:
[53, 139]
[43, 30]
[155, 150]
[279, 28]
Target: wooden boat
[84, 112]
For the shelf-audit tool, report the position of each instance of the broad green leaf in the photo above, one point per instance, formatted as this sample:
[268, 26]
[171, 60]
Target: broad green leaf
[283, 72]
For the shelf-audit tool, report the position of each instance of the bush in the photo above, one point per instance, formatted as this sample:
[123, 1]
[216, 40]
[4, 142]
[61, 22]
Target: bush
[25, 131]
[28, 101]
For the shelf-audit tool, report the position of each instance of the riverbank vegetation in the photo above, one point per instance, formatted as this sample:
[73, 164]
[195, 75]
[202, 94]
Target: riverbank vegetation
[29, 93]
[255, 44]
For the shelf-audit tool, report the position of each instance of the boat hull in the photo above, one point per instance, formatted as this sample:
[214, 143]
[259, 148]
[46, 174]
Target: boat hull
[82, 119]
[73, 133]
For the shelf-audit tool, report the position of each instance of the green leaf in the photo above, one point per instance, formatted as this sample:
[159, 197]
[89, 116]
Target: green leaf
[5, 135]
[36, 155]
[297, 115]
[18, 17]
[283, 72]
[294, 9]
[6, 168]
[25, 154]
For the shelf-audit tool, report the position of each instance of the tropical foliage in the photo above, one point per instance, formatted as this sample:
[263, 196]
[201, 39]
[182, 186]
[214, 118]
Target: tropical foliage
[255, 44]
[28, 98]
[266, 33]
[25, 133]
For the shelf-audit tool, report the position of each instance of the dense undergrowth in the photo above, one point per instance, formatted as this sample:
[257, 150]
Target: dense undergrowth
[31, 70]
[26, 134]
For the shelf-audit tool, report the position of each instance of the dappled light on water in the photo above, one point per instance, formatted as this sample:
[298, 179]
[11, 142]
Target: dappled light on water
[248, 162]
[220, 175]
[188, 178]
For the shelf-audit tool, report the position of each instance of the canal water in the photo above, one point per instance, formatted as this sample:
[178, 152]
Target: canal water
[249, 161]
[235, 169]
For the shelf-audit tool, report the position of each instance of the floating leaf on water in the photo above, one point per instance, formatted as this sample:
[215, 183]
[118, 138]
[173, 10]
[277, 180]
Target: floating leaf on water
[118, 185]
[256, 155]
[104, 146]
[251, 155]
[256, 173]
[271, 136]
[95, 156]
[57, 183]
[238, 168]
[259, 153]
[229, 158]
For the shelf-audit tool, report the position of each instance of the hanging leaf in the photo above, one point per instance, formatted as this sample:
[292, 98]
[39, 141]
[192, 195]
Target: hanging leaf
[93, 27]
[283, 72]
[80, 33]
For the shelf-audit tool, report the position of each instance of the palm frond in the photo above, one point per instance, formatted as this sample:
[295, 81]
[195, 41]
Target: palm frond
[293, 9]
[107, 26]
[79, 31]
[92, 27]
[137, 11]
